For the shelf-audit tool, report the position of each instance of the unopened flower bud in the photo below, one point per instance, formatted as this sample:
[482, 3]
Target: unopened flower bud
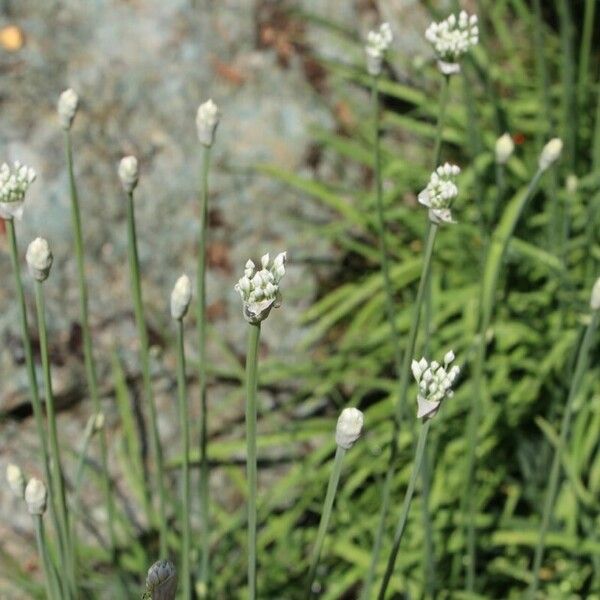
[595, 298]
[68, 103]
[161, 582]
[550, 153]
[207, 119]
[181, 297]
[128, 173]
[572, 184]
[16, 480]
[36, 497]
[39, 259]
[349, 427]
[14, 183]
[504, 148]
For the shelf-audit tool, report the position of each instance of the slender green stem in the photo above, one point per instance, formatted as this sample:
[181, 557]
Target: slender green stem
[553, 480]
[136, 289]
[437, 152]
[585, 52]
[596, 140]
[251, 389]
[185, 463]
[201, 324]
[498, 245]
[405, 509]
[325, 517]
[89, 434]
[90, 365]
[57, 473]
[50, 578]
[399, 412]
[31, 375]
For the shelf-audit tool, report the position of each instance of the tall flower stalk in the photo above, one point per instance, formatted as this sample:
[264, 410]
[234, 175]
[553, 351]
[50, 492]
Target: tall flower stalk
[39, 261]
[128, 174]
[259, 290]
[435, 383]
[207, 119]
[67, 108]
[180, 301]
[553, 480]
[348, 430]
[496, 251]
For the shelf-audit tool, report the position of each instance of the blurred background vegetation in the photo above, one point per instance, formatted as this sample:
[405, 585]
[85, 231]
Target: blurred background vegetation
[535, 75]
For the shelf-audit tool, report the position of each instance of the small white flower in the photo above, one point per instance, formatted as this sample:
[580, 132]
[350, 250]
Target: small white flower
[595, 298]
[129, 173]
[349, 427]
[14, 184]
[435, 383]
[39, 259]
[572, 183]
[207, 119]
[68, 102]
[377, 44]
[181, 297]
[36, 497]
[504, 148]
[16, 480]
[259, 289]
[440, 192]
[550, 153]
[161, 581]
[451, 39]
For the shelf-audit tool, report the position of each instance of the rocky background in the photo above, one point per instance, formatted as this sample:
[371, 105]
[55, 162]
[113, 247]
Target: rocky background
[141, 67]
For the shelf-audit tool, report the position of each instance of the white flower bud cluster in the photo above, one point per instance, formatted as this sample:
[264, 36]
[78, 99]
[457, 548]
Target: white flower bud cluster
[181, 297]
[259, 289]
[550, 153]
[207, 119]
[16, 481]
[595, 298]
[435, 384]
[377, 44]
[129, 173]
[161, 582]
[451, 39]
[68, 102]
[440, 192]
[39, 259]
[505, 147]
[14, 184]
[349, 427]
[36, 497]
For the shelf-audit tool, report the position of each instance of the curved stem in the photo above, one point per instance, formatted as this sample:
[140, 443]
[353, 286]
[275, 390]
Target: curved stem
[325, 517]
[90, 365]
[57, 473]
[201, 325]
[185, 463]
[405, 509]
[136, 290]
[553, 480]
[251, 467]
[50, 578]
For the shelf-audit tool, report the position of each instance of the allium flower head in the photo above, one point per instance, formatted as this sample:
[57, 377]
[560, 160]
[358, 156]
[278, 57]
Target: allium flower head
[451, 39]
[181, 297]
[161, 582]
[505, 146]
[14, 183]
[16, 480]
[377, 44]
[39, 259]
[550, 153]
[595, 298]
[129, 173]
[259, 288]
[207, 119]
[440, 192]
[36, 496]
[349, 427]
[68, 103]
[435, 384]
